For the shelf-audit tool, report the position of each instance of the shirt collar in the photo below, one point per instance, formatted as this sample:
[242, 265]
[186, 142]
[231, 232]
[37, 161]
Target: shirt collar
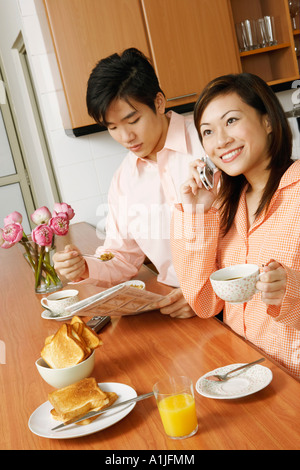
[176, 138]
[292, 175]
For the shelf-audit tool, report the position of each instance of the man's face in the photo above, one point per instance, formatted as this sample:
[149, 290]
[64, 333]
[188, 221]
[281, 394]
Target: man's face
[137, 127]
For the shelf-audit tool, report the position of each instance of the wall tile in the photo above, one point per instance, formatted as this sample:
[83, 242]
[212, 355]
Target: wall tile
[69, 150]
[78, 181]
[51, 111]
[92, 210]
[45, 69]
[26, 7]
[37, 41]
[102, 144]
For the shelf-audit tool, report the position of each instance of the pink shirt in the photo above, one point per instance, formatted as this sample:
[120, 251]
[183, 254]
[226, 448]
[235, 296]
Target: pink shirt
[141, 197]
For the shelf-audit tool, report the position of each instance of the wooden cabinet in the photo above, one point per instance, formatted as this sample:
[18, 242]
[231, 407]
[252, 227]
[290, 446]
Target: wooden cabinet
[275, 64]
[191, 42]
[188, 41]
[85, 31]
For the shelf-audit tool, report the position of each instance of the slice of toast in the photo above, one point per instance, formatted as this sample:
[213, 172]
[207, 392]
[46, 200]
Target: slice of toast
[77, 399]
[91, 339]
[64, 350]
[112, 397]
[78, 336]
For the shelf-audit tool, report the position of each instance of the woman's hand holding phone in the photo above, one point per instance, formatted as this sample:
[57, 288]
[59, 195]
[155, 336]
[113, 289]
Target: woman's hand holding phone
[194, 196]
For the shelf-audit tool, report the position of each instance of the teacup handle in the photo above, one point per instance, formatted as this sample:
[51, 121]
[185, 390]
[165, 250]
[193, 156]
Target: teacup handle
[44, 302]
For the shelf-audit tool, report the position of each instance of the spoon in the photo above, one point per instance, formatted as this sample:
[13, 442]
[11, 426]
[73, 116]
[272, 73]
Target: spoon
[223, 377]
[51, 314]
[89, 256]
[94, 256]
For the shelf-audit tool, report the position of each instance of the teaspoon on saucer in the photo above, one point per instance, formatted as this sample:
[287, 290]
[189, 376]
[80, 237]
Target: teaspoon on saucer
[223, 377]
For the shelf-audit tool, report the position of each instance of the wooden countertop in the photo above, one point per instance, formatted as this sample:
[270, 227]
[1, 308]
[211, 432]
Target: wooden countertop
[137, 350]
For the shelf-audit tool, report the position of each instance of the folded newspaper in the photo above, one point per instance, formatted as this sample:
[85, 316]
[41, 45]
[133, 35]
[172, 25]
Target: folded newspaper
[122, 299]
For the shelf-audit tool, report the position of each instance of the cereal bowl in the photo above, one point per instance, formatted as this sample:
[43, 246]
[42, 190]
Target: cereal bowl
[135, 283]
[59, 378]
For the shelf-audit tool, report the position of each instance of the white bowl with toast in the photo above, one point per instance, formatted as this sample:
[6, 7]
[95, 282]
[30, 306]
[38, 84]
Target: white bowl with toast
[59, 378]
[69, 355]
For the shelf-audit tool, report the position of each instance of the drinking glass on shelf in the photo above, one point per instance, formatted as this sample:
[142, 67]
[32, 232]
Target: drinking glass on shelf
[294, 13]
[261, 33]
[241, 36]
[251, 34]
[270, 30]
[247, 35]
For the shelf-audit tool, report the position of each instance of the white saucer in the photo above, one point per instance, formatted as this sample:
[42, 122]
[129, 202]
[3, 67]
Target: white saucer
[243, 382]
[41, 421]
[46, 314]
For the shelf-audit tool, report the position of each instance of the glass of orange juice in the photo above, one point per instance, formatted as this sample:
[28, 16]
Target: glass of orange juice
[176, 406]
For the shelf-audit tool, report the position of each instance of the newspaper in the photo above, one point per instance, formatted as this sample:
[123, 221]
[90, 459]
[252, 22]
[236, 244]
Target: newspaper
[118, 300]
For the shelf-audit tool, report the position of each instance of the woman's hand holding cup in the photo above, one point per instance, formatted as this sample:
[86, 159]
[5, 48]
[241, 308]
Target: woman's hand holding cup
[272, 283]
[238, 283]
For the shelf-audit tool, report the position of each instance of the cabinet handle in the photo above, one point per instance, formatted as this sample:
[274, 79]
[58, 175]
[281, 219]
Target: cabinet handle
[182, 96]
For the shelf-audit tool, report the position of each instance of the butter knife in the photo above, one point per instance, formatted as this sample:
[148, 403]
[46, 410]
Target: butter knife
[95, 413]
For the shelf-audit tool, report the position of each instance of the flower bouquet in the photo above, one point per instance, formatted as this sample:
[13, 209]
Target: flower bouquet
[39, 246]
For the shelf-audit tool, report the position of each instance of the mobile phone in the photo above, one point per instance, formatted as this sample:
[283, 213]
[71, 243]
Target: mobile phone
[98, 322]
[207, 174]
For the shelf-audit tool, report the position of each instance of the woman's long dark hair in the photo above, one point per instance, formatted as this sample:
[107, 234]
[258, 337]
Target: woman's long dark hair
[257, 94]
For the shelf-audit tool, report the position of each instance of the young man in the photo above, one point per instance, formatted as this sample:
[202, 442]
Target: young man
[124, 94]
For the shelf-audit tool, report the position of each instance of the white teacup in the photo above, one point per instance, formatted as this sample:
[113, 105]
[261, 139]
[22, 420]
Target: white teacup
[235, 284]
[58, 301]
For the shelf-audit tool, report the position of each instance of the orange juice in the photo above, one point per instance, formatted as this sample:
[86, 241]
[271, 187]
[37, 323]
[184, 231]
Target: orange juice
[178, 414]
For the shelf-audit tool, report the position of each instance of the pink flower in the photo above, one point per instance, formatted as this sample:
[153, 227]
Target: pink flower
[12, 233]
[3, 243]
[63, 207]
[60, 224]
[14, 217]
[42, 235]
[41, 216]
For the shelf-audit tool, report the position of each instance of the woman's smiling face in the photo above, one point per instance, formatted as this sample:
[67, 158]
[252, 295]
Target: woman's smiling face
[235, 136]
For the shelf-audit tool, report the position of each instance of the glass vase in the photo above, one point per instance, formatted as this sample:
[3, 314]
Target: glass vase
[40, 259]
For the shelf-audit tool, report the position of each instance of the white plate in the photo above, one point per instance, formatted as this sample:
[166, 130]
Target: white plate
[242, 383]
[41, 421]
[47, 316]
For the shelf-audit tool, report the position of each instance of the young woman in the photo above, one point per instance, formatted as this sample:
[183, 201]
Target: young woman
[254, 217]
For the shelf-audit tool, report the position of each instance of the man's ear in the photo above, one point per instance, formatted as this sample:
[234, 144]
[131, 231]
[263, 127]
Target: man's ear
[160, 103]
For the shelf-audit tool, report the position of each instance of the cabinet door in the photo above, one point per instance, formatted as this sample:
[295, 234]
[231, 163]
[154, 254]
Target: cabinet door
[85, 31]
[192, 41]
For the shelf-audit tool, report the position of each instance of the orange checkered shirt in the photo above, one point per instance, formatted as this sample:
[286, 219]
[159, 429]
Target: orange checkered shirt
[199, 250]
